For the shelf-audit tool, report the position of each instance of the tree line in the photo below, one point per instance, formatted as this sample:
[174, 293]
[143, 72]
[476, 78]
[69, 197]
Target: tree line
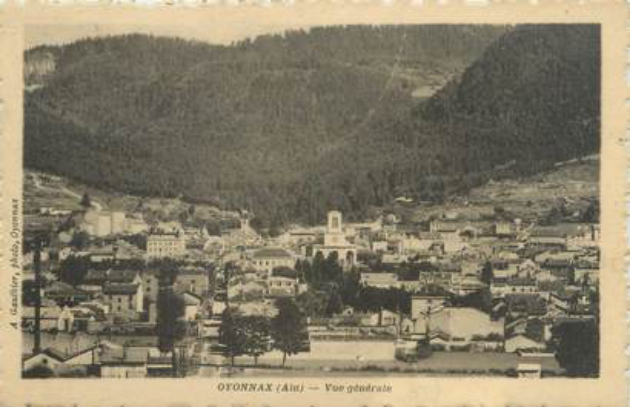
[254, 335]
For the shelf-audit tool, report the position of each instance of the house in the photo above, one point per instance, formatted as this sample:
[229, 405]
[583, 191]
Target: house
[150, 284]
[192, 304]
[123, 299]
[136, 224]
[124, 277]
[103, 223]
[260, 308]
[65, 252]
[521, 285]
[126, 362]
[547, 236]
[529, 370]
[584, 236]
[278, 286]
[525, 334]
[244, 236]
[380, 280]
[298, 236]
[94, 281]
[499, 287]
[563, 301]
[102, 254]
[528, 268]
[505, 266]
[159, 364]
[393, 258]
[586, 270]
[410, 285]
[525, 305]
[383, 318]
[246, 288]
[194, 280]
[452, 245]
[73, 319]
[48, 357]
[427, 301]
[49, 317]
[505, 229]
[558, 266]
[465, 285]
[55, 360]
[379, 246]
[64, 293]
[268, 258]
[163, 244]
[462, 326]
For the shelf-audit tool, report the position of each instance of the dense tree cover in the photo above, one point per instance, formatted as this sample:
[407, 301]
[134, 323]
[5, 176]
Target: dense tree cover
[532, 99]
[577, 347]
[481, 300]
[290, 126]
[231, 336]
[80, 240]
[244, 335]
[169, 326]
[288, 328]
[73, 269]
[331, 290]
[29, 293]
[86, 202]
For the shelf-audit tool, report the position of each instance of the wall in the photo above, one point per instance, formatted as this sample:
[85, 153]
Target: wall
[343, 350]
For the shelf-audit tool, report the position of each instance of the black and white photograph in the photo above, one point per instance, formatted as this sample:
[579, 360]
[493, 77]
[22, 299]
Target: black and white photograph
[311, 201]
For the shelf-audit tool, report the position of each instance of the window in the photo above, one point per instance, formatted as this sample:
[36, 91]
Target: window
[335, 222]
[119, 300]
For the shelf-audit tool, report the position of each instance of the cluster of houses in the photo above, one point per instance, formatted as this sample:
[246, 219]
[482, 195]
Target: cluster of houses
[529, 278]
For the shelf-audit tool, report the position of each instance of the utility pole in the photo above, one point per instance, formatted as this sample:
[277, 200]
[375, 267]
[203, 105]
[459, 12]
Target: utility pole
[37, 261]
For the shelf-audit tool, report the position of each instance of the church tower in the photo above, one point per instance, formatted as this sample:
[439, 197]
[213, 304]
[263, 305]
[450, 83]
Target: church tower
[334, 230]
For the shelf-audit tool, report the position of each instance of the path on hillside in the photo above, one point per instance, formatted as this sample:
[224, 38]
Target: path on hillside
[39, 185]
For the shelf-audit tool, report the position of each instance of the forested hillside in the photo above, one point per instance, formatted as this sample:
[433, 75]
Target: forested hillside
[290, 126]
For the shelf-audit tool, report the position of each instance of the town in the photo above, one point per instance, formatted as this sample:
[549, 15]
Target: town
[109, 294]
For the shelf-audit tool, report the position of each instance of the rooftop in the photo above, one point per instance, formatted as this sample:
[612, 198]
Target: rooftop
[120, 289]
[271, 252]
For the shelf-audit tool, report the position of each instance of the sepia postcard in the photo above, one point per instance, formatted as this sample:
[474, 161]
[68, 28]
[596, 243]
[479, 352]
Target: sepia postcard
[315, 203]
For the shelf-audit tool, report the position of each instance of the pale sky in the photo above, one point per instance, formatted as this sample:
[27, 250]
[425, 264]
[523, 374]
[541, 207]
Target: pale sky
[224, 34]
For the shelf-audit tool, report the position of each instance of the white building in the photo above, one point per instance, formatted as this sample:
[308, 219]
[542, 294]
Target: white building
[335, 241]
[380, 280]
[166, 245]
[268, 258]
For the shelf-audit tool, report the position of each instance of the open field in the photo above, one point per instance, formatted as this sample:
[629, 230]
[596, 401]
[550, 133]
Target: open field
[574, 183]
